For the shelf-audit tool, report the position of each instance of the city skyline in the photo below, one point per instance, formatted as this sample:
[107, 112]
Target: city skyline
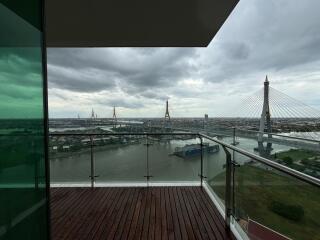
[196, 81]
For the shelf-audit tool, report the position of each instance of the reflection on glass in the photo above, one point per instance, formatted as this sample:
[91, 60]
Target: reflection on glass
[120, 159]
[174, 159]
[70, 159]
[215, 172]
[272, 203]
[23, 205]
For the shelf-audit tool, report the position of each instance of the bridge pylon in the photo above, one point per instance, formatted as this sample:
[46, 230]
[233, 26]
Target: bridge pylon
[93, 115]
[167, 115]
[167, 120]
[114, 117]
[265, 119]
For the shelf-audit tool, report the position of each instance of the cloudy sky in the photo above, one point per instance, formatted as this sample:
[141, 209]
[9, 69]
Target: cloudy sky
[280, 38]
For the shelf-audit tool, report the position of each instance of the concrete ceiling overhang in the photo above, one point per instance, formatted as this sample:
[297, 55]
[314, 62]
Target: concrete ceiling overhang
[134, 23]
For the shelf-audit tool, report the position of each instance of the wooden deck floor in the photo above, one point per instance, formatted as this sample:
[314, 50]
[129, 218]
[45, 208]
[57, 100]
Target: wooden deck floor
[135, 213]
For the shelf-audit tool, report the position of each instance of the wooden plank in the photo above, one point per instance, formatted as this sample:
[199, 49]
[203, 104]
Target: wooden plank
[182, 213]
[170, 227]
[99, 213]
[118, 216]
[158, 216]
[64, 203]
[212, 208]
[206, 231]
[194, 213]
[176, 223]
[146, 219]
[189, 212]
[103, 220]
[81, 220]
[139, 227]
[205, 208]
[164, 228]
[115, 214]
[80, 210]
[73, 210]
[97, 209]
[207, 220]
[151, 232]
[135, 213]
[214, 213]
[124, 225]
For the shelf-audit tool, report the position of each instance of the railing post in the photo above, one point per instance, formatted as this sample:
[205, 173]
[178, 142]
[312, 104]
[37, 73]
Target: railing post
[234, 136]
[148, 176]
[92, 176]
[228, 200]
[201, 161]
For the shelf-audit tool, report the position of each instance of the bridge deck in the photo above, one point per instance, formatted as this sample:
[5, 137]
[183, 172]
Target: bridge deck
[135, 213]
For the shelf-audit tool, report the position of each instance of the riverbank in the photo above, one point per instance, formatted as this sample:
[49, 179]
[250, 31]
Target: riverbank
[305, 161]
[87, 149]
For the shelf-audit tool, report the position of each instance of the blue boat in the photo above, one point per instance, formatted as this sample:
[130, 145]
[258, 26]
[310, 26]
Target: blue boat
[190, 150]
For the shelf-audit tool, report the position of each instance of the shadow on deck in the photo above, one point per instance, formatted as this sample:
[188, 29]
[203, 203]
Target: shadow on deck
[135, 213]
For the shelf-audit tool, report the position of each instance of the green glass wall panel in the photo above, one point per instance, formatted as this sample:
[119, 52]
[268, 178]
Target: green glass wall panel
[23, 193]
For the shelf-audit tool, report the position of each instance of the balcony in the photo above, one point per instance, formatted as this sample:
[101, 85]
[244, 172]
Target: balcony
[135, 213]
[151, 186]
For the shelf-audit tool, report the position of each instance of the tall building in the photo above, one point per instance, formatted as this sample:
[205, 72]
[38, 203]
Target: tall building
[206, 118]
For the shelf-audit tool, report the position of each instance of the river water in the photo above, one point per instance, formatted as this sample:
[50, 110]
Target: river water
[128, 163]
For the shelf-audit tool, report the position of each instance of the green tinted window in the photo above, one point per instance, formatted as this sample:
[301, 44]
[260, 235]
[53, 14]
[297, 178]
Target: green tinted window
[23, 205]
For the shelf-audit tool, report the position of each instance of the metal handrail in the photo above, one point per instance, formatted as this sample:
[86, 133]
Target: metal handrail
[190, 133]
[121, 134]
[304, 177]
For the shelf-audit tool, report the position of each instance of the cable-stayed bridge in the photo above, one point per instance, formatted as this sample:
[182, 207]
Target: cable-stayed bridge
[276, 107]
[265, 116]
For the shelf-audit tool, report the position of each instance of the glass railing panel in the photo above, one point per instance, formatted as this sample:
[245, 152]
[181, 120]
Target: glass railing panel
[296, 153]
[120, 159]
[174, 159]
[269, 204]
[215, 170]
[70, 159]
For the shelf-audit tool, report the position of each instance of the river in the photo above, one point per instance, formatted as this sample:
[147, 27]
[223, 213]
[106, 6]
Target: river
[128, 163]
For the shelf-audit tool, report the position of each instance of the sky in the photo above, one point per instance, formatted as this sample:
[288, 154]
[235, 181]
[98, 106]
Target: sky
[21, 92]
[278, 38]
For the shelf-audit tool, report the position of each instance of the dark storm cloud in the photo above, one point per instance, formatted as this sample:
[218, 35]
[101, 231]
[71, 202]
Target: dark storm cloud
[236, 50]
[155, 95]
[265, 36]
[134, 70]
[121, 102]
[80, 80]
[274, 37]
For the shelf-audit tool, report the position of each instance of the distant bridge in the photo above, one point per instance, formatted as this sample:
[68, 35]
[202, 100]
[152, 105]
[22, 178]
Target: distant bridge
[296, 142]
[267, 102]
